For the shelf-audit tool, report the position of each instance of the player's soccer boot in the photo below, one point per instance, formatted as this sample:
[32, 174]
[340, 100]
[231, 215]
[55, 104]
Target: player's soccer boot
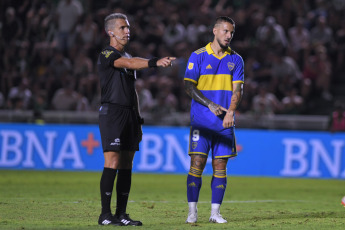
[125, 220]
[192, 217]
[107, 219]
[217, 218]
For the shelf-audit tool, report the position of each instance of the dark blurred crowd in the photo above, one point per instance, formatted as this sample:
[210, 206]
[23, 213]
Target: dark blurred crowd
[293, 51]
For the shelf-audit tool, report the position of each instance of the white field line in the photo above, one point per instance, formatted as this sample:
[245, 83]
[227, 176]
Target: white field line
[226, 201]
[167, 201]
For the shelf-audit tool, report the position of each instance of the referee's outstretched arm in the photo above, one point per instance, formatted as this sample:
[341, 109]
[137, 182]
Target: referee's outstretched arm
[138, 63]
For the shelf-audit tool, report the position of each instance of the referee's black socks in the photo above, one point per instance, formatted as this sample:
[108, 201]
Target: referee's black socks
[123, 186]
[106, 187]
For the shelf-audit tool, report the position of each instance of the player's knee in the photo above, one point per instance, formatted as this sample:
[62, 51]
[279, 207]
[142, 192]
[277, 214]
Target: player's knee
[111, 160]
[219, 164]
[198, 162]
[111, 164]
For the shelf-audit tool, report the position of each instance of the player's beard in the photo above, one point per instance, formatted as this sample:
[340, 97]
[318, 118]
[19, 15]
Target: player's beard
[224, 47]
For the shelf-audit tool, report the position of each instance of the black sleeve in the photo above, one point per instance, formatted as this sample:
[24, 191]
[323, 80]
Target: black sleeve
[107, 57]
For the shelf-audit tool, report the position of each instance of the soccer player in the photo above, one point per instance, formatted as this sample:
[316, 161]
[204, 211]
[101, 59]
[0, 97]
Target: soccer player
[214, 80]
[119, 117]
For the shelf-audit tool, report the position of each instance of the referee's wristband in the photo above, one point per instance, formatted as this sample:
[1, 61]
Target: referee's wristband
[140, 120]
[153, 62]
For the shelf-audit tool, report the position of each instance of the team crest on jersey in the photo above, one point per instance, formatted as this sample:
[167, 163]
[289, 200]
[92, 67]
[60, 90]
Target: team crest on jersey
[190, 65]
[231, 66]
[107, 53]
[194, 145]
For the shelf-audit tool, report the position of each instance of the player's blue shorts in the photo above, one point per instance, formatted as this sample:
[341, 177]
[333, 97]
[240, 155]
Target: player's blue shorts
[222, 144]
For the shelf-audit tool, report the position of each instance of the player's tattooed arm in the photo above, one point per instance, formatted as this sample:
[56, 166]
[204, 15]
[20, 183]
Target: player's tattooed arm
[237, 93]
[194, 93]
[236, 96]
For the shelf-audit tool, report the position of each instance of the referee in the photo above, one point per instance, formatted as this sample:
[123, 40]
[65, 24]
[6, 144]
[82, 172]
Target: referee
[119, 117]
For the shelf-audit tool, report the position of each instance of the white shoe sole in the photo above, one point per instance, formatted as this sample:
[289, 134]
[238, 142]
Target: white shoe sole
[191, 222]
[215, 221]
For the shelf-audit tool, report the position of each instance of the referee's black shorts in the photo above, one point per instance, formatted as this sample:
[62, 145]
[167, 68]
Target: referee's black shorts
[119, 128]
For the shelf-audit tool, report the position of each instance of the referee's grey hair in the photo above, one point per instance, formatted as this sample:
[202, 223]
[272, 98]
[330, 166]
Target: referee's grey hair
[108, 21]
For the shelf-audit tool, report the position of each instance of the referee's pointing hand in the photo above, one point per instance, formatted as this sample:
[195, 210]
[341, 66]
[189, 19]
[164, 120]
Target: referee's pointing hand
[165, 62]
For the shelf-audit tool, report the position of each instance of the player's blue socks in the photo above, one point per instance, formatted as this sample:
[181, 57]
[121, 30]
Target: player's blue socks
[193, 184]
[218, 186]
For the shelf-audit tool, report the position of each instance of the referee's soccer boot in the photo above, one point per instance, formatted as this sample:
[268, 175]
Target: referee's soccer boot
[109, 219]
[126, 221]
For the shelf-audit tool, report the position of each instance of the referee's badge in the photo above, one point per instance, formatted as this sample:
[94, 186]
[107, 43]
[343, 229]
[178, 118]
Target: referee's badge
[107, 53]
[190, 65]
[194, 144]
[231, 66]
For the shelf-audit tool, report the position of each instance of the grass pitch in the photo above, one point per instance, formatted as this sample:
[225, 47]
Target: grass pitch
[70, 200]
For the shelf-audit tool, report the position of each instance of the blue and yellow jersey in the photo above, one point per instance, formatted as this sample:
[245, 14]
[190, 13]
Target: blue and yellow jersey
[214, 77]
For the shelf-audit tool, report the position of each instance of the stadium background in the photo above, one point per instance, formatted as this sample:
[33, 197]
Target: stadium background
[293, 53]
[294, 77]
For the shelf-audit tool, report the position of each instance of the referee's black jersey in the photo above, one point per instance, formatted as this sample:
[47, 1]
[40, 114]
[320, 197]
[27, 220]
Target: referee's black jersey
[117, 84]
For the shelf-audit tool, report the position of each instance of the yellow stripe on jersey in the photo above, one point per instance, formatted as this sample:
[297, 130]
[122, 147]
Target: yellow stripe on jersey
[201, 50]
[238, 82]
[215, 82]
[188, 79]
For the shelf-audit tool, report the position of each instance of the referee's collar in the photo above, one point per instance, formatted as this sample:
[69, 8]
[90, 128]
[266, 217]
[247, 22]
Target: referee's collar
[210, 51]
[113, 48]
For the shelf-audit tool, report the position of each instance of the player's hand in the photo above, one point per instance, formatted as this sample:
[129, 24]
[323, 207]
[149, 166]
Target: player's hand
[216, 109]
[229, 120]
[165, 62]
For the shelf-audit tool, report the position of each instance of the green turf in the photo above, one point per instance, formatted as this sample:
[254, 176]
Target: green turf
[70, 200]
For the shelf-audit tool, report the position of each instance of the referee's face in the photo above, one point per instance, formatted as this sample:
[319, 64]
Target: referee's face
[223, 33]
[121, 31]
